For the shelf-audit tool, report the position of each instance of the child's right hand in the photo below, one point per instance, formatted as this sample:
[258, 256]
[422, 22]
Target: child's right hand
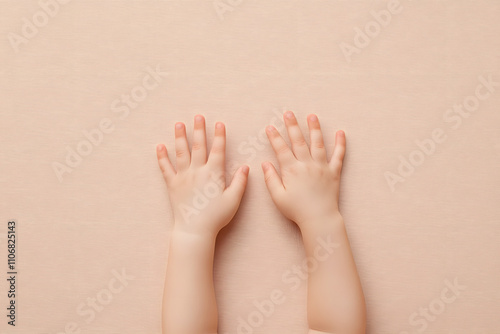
[308, 190]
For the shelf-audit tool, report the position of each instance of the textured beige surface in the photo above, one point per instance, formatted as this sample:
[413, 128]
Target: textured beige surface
[244, 67]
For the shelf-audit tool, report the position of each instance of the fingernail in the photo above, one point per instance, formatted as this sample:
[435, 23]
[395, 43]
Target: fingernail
[198, 118]
[289, 114]
[270, 128]
[218, 125]
[245, 169]
[265, 166]
[341, 133]
[159, 147]
[178, 126]
[313, 118]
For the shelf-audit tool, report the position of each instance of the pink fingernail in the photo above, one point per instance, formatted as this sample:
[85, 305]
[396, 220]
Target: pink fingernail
[289, 114]
[178, 126]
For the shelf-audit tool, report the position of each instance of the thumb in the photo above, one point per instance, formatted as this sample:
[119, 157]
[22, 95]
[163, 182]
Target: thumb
[238, 184]
[273, 180]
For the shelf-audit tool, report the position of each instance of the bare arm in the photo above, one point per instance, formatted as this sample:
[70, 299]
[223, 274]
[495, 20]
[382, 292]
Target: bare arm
[335, 298]
[307, 192]
[189, 297]
[202, 205]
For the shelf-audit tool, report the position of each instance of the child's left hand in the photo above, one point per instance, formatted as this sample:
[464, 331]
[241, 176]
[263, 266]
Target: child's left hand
[201, 203]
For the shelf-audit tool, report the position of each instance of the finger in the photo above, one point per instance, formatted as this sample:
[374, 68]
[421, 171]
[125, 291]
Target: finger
[280, 147]
[199, 147]
[218, 152]
[273, 180]
[318, 151]
[299, 144]
[339, 151]
[164, 162]
[183, 157]
[236, 189]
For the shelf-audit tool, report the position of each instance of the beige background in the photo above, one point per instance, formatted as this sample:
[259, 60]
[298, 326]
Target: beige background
[112, 212]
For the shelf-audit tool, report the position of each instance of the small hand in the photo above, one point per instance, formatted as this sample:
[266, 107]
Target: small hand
[197, 190]
[308, 190]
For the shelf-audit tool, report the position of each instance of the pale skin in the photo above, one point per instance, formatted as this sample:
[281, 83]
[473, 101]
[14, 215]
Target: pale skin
[306, 191]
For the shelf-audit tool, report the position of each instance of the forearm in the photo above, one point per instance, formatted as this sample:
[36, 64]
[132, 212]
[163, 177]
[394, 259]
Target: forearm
[189, 305]
[335, 297]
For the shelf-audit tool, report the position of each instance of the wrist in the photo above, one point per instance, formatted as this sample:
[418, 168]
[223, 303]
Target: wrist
[190, 234]
[327, 225]
[190, 253]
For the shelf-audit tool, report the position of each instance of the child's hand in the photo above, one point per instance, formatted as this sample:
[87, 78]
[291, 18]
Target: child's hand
[197, 190]
[308, 190]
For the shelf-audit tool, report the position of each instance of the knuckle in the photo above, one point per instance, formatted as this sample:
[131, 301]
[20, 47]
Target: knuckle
[196, 146]
[319, 144]
[268, 177]
[300, 142]
[217, 149]
[180, 153]
[282, 149]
